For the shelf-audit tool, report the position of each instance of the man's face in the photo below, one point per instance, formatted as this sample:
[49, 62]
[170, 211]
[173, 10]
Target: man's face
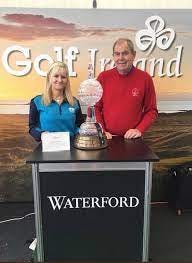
[123, 57]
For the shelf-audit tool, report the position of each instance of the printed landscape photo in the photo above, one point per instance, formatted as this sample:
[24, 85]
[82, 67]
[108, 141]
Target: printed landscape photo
[170, 138]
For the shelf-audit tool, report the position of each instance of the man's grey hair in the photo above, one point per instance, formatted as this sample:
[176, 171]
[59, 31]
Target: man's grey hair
[129, 44]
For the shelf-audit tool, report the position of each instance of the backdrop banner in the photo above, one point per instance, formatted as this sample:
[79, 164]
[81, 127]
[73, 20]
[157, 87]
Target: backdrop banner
[31, 39]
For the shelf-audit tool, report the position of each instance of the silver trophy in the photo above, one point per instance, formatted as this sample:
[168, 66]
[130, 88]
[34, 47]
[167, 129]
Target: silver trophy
[91, 136]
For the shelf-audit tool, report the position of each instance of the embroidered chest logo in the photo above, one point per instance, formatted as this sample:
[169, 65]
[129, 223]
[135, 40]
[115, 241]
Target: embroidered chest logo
[72, 110]
[135, 92]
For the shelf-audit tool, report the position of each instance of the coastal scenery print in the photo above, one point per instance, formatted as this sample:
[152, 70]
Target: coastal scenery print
[31, 39]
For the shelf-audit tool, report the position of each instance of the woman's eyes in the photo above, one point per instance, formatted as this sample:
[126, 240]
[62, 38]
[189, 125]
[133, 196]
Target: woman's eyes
[63, 77]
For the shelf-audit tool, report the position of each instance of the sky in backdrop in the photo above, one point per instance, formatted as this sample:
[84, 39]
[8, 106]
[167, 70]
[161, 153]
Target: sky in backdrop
[41, 30]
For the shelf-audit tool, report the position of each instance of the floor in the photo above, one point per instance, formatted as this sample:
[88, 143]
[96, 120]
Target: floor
[170, 239]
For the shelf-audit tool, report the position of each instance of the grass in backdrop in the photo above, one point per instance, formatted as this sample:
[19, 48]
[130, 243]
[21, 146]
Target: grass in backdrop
[15, 145]
[170, 138]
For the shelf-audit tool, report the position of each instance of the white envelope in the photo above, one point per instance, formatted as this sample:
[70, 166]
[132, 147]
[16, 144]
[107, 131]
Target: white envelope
[55, 141]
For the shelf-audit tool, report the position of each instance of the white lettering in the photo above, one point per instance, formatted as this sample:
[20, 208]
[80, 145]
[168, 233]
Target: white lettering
[26, 64]
[38, 61]
[112, 64]
[104, 201]
[132, 200]
[142, 62]
[113, 202]
[103, 63]
[153, 64]
[56, 201]
[86, 202]
[123, 200]
[92, 202]
[70, 57]
[177, 61]
[68, 204]
[95, 202]
[59, 53]
[77, 199]
[93, 58]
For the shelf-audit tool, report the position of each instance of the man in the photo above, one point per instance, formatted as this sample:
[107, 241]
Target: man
[128, 105]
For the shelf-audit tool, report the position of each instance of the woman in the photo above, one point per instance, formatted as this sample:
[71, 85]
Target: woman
[56, 109]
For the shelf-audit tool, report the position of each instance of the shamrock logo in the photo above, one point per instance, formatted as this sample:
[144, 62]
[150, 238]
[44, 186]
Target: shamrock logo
[155, 34]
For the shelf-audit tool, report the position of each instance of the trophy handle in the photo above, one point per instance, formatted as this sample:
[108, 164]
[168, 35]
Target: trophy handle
[90, 114]
[100, 133]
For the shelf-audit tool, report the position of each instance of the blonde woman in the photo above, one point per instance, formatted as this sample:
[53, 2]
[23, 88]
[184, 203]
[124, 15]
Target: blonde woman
[56, 109]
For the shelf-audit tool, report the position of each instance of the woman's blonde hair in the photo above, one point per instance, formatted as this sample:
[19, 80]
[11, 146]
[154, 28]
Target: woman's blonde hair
[47, 96]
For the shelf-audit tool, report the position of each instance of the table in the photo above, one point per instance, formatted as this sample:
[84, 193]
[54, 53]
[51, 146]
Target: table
[93, 205]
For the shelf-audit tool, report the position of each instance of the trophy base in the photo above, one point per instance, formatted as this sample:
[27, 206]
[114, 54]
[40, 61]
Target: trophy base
[90, 142]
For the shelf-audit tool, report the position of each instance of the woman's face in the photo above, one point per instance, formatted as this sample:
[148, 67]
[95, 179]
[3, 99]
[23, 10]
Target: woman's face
[58, 79]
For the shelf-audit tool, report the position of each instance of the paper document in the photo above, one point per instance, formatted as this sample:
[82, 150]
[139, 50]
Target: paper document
[55, 141]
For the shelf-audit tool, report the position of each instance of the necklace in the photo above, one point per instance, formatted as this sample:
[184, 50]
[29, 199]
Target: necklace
[59, 98]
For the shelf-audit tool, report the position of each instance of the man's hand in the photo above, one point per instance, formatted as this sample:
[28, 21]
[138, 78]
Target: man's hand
[108, 135]
[132, 133]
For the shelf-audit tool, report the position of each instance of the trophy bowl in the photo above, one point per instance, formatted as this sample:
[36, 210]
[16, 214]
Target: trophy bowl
[91, 136]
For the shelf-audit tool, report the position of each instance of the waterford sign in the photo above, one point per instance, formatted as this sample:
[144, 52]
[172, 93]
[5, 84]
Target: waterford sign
[64, 202]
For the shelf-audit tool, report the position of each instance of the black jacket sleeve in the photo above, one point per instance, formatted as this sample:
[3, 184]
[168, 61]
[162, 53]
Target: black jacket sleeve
[33, 121]
[79, 116]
